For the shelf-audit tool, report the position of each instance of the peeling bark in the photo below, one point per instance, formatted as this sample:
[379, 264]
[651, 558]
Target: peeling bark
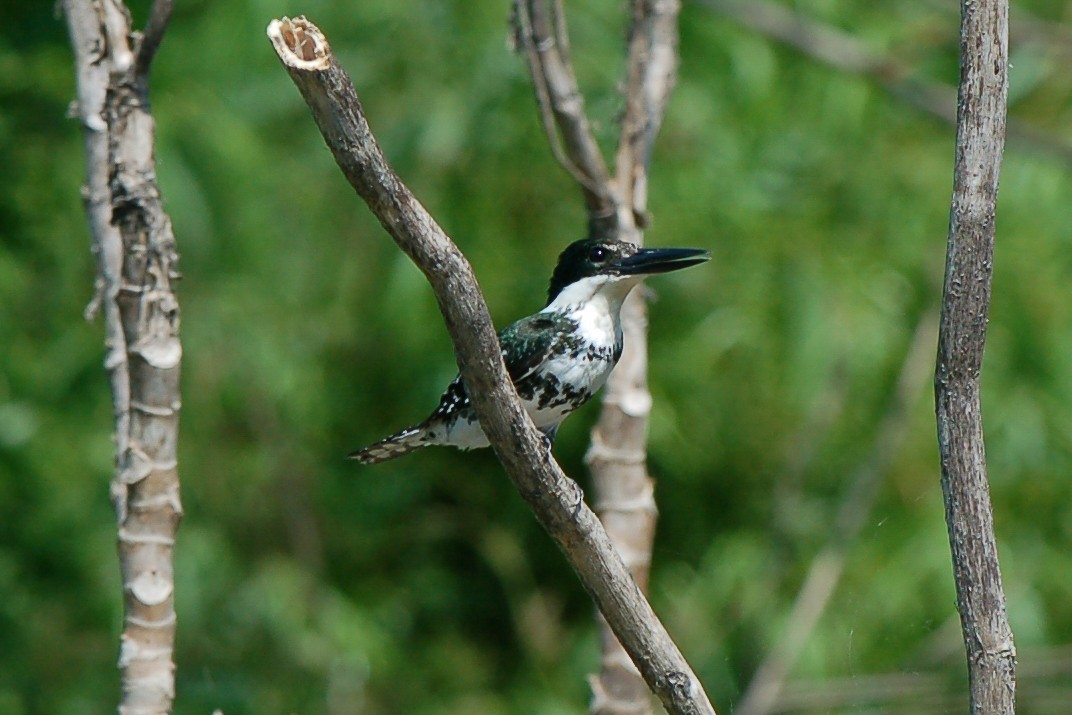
[137, 261]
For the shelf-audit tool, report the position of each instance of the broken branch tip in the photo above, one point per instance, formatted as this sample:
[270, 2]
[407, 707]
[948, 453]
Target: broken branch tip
[299, 43]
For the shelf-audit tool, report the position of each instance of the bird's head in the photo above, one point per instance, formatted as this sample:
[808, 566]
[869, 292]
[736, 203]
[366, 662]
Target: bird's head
[592, 264]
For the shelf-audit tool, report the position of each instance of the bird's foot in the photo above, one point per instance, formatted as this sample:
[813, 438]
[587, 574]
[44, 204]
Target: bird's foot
[577, 498]
[549, 438]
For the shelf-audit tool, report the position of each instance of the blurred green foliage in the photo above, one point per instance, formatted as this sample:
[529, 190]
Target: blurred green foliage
[307, 584]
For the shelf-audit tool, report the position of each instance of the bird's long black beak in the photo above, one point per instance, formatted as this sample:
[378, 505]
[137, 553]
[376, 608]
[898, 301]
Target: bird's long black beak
[647, 261]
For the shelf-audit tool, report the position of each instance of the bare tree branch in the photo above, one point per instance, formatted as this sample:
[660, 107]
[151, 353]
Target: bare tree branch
[961, 338]
[650, 77]
[541, 33]
[137, 263]
[842, 51]
[543, 102]
[617, 206]
[555, 499]
[762, 694]
[617, 457]
[159, 16]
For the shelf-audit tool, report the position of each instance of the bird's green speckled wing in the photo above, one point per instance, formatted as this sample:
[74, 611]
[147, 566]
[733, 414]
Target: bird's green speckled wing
[528, 343]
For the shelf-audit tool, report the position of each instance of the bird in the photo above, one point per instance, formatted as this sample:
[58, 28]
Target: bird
[557, 358]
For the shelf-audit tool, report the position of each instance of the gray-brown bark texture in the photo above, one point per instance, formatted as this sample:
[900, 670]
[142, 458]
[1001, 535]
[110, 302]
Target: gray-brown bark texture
[136, 254]
[554, 498]
[969, 264]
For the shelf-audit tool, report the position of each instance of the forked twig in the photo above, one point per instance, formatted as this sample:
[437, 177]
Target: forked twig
[541, 31]
[650, 77]
[153, 35]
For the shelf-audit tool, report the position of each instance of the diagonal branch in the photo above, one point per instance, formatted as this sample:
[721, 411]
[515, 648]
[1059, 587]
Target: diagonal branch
[541, 34]
[554, 498]
[981, 112]
[153, 35]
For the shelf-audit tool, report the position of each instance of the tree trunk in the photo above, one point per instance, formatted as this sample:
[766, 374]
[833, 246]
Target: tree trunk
[136, 255]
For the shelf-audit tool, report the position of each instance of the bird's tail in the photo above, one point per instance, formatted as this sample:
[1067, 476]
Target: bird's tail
[396, 445]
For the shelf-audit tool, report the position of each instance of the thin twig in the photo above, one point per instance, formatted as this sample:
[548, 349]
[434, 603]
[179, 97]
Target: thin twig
[650, 78]
[543, 100]
[558, 96]
[980, 144]
[562, 40]
[153, 35]
[555, 499]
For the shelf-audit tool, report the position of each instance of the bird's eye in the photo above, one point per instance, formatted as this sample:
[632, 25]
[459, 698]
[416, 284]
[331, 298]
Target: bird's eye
[597, 254]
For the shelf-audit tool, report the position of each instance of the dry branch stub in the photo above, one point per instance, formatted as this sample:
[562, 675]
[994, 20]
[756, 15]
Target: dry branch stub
[300, 43]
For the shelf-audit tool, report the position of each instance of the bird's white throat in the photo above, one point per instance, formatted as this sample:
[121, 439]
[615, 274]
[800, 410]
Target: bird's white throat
[595, 304]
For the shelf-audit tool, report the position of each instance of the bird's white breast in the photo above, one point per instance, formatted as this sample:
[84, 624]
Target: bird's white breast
[595, 304]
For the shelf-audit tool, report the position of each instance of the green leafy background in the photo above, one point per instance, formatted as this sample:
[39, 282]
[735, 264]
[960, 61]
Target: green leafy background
[309, 584]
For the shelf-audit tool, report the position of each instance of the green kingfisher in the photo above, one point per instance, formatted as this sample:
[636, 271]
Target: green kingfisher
[557, 358]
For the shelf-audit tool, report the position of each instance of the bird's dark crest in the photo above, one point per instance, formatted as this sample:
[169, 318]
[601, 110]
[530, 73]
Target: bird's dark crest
[584, 258]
